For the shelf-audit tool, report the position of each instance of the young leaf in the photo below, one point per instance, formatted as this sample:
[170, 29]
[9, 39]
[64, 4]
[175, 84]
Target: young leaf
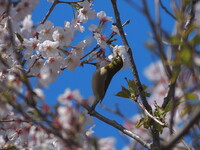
[124, 93]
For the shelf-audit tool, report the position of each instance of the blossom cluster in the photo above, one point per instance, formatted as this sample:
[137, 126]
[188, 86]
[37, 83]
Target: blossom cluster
[18, 131]
[43, 51]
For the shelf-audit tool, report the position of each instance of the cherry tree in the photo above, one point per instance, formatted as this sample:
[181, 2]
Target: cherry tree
[169, 108]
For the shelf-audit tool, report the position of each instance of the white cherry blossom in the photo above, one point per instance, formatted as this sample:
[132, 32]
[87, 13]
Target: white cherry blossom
[103, 18]
[35, 64]
[85, 12]
[45, 31]
[48, 48]
[71, 62]
[100, 40]
[63, 37]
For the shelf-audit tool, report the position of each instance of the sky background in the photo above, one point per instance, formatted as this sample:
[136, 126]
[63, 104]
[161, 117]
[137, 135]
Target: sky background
[137, 34]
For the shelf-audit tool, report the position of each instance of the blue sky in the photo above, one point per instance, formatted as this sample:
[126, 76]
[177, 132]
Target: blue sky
[81, 78]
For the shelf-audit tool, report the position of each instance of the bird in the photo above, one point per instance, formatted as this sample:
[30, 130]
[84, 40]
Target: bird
[102, 78]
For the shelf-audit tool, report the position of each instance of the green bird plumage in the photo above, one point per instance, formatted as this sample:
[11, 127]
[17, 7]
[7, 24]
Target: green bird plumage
[102, 77]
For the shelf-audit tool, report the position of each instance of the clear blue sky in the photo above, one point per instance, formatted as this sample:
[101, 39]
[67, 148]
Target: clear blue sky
[81, 78]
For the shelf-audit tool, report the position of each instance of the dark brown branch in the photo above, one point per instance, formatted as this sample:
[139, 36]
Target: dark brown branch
[118, 126]
[70, 2]
[170, 94]
[130, 55]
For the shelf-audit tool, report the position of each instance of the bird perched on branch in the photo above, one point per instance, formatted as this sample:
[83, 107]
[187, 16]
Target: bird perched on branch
[102, 77]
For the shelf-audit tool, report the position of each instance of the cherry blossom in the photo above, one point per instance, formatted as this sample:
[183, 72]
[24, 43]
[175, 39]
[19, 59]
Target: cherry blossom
[27, 24]
[42, 52]
[93, 28]
[85, 12]
[50, 70]
[69, 95]
[115, 29]
[155, 72]
[31, 45]
[71, 62]
[24, 7]
[103, 18]
[35, 64]
[100, 40]
[45, 31]
[107, 143]
[48, 48]
[63, 37]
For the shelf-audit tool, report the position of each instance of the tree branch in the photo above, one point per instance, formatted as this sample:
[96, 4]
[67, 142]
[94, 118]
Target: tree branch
[184, 130]
[166, 10]
[117, 126]
[130, 55]
[151, 116]
[49, 12]
[158, 39]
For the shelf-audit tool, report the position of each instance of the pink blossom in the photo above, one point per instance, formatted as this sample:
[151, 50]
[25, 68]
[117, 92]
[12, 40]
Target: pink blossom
[50, 70]
[69, 95]
[100, 40]
[63, 37]
[49, 48]
[107, 143]
[45, 31]
[71, 62]
[103, 18]
[35, 64]
[85, 12]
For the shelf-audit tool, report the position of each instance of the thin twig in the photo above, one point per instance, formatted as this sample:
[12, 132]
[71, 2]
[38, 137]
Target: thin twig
[191, 15]
[19, 108]
[49, 12]
[2, 121]
[158, 39]
[176, 69]
[184, 130]
[166, 10]
[70, 2]
[95, 48]
[151, 116]
[117, 112]
[107, 41]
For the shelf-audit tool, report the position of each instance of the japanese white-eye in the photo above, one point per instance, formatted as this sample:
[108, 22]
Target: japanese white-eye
[102, 77]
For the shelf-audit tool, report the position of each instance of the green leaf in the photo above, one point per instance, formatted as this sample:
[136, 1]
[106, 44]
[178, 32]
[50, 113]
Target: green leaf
[141, 122]
[191, 96]
[132, 91]
[174, 40]
[132, 86]
[144, 86]
[147, 94]
[124, 93]
[77, 6]
[168, 107]
[185, 56]
[158, 127]
[20, 38]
